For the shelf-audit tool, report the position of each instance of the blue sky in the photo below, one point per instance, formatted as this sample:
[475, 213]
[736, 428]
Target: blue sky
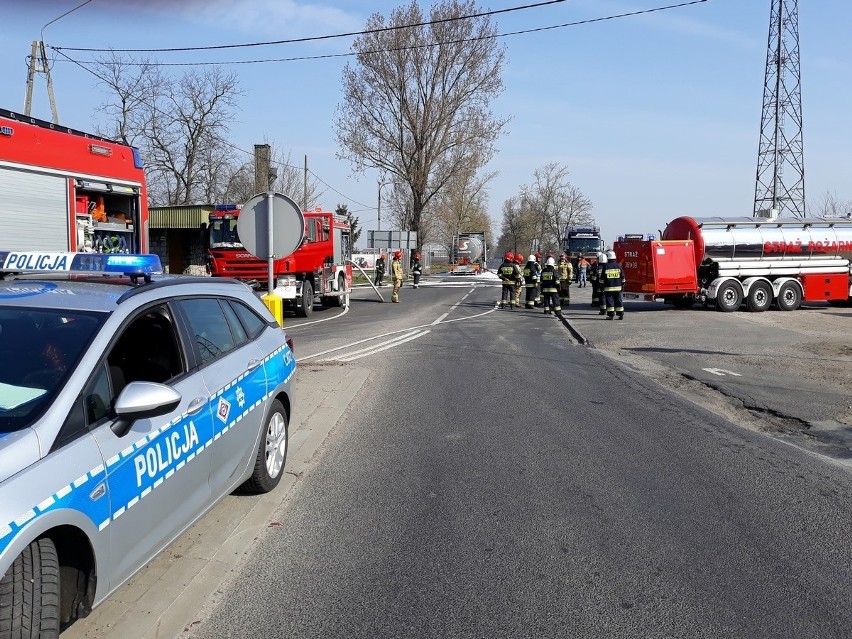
[655, 116]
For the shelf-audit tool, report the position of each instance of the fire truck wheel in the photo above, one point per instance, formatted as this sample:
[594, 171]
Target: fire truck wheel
[789, 297]
[343, 300]
[729, 297]
[759, 297]
[307, 301]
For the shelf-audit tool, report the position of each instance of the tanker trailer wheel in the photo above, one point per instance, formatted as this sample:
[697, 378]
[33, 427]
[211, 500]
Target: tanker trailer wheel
[759, 297]
[729, 297]
[789, 297]
[307, 300]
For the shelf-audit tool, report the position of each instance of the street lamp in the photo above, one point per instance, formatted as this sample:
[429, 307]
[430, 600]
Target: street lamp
[379, 207]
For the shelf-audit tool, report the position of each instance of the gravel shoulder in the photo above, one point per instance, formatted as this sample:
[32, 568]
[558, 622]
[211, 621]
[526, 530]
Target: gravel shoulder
[787, 374]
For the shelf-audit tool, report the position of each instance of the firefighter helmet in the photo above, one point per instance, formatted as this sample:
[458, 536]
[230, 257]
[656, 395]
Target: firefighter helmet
[601, 258]
[417, 256]
[397, 255]
[509, 256]
[519, 258]
[551, 261]
[610, 255]
[537, 256]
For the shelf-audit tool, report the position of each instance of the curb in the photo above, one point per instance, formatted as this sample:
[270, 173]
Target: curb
[574, 332]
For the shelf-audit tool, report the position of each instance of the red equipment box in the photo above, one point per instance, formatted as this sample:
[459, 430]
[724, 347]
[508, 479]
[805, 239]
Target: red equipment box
[658, 267]
[825, 286]
[82, 205]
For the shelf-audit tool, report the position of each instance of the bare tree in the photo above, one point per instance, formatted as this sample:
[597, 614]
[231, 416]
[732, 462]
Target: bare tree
[416, 102]
[517, 231]
[128, 80]
[553, 202]
[829, 205]
[179, 124]
[462, 206]
[290, 180]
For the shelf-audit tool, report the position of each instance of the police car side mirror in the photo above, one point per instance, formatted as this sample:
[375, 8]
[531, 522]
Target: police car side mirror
[143, 400]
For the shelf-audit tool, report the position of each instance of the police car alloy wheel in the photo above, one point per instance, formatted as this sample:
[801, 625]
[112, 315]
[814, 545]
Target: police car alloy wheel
[271, 452]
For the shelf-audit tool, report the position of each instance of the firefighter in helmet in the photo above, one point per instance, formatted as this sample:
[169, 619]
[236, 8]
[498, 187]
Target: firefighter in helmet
[594, 273]
[416, 269]
[611, 281]
[397, 275]
[566, 274]
[519, 284]
[550, 287]
[509, 273]
[380, 269]
[538, 283]
[531, 280]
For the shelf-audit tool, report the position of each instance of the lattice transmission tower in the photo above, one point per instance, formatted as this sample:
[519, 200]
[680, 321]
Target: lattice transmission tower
[780, 163]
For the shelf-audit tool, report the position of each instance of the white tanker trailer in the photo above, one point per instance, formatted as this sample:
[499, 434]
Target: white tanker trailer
[734, 260]
[469, 254]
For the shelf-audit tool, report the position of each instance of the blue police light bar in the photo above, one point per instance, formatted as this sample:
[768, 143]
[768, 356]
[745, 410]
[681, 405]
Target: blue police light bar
[227, 207]
[90, 263]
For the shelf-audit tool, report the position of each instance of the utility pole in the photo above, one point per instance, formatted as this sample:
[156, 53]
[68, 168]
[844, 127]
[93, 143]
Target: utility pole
[780, 184]
[38, 64]
[262, 169]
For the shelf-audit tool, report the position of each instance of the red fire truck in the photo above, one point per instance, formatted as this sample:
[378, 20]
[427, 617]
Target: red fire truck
[65, 190]
[318, 270]
[731, 261]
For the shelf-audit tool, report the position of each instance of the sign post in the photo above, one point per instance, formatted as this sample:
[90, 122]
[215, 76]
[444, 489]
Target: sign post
[271, 226]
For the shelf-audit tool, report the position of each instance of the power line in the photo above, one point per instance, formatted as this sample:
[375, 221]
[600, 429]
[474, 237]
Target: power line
[83, 4]
[84, 63]
[314, 38]
[226, 142]
[405, 48]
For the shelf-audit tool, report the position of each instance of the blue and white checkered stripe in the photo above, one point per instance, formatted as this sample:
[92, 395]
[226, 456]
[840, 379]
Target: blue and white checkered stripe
[280, 367]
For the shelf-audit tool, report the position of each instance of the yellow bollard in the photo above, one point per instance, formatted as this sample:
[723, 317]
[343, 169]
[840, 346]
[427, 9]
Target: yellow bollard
[275, 304]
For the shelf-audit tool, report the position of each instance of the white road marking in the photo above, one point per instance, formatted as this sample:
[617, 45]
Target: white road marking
[384, 348]
[370, 348]
[324, 319]
[721, 372]
[404, 330]
[453, 307]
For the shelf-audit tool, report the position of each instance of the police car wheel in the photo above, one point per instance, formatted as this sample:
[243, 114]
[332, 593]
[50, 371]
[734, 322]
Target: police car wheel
[271, 453]
[29, 593]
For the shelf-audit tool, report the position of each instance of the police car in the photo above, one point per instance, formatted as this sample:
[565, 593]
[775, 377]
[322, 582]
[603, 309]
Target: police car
[130, 403]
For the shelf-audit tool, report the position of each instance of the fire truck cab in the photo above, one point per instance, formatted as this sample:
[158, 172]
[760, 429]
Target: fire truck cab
[65, 190]
[319, 270]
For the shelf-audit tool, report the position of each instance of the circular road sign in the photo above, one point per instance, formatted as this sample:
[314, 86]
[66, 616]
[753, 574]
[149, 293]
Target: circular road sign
[288, 225]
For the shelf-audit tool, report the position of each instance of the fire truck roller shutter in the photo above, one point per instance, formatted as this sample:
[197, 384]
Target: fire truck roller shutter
[35, 215]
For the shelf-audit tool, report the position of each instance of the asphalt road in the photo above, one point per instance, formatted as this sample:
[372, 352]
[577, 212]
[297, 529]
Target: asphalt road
[494, 478]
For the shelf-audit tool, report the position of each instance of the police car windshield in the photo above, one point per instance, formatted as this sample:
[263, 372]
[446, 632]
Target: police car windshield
[39, 348]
